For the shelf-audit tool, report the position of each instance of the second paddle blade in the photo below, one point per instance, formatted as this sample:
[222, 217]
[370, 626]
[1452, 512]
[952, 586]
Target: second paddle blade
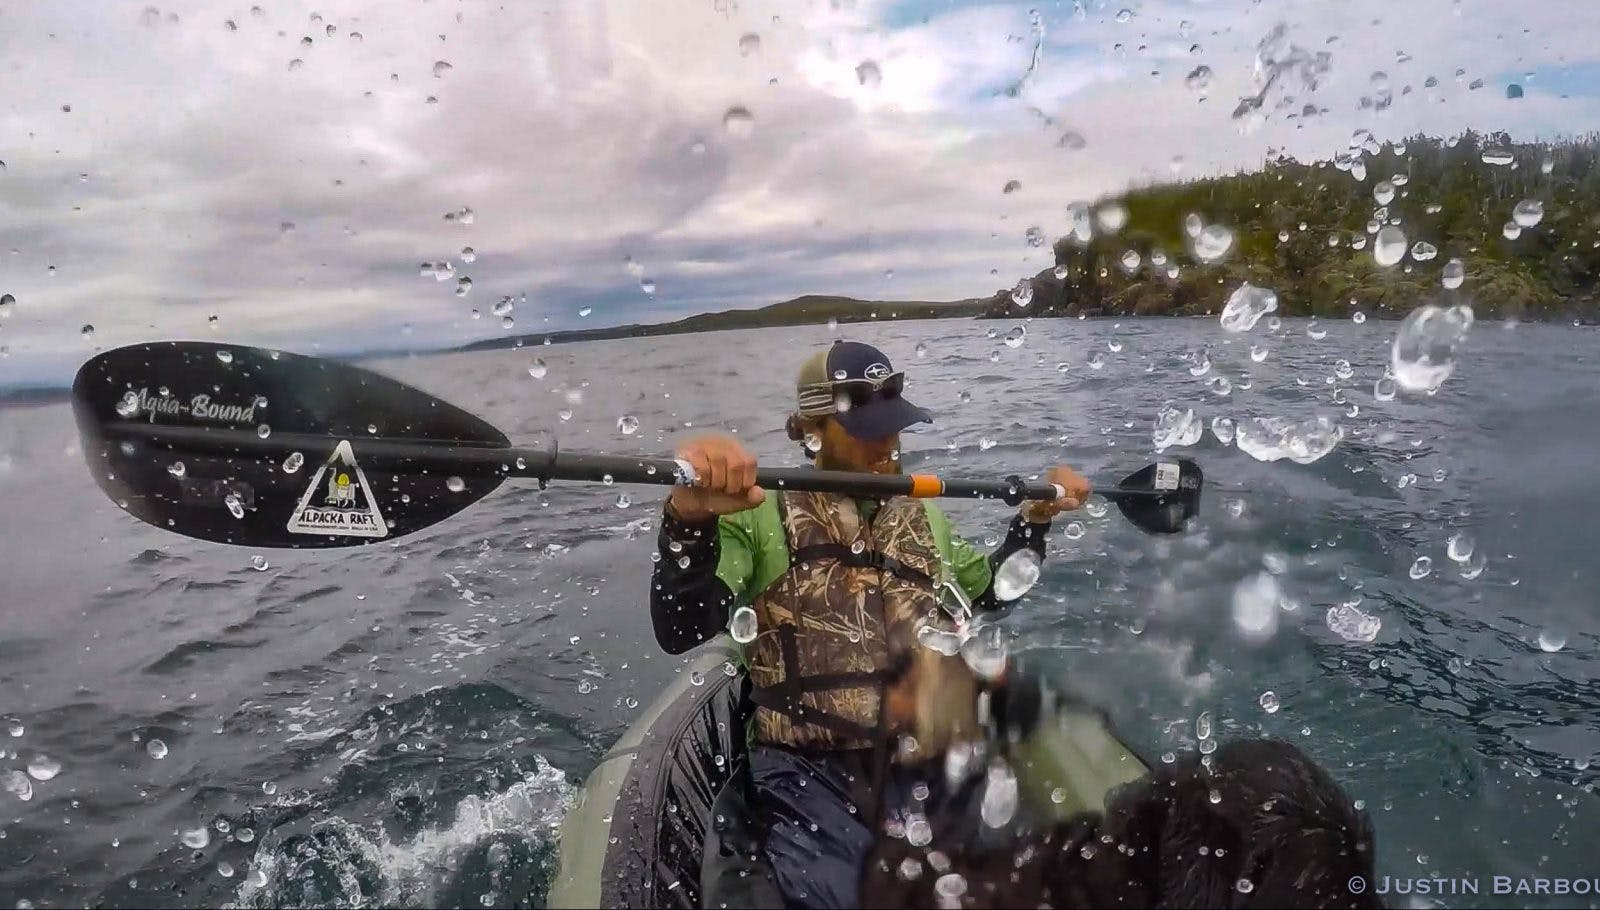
[263, 448]
[1179, 484]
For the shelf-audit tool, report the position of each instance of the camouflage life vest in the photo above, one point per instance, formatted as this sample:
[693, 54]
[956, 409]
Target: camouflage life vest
[840, 626]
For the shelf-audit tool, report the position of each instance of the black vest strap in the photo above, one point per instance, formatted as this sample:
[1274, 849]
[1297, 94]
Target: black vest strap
[785, 697]
[772, 699]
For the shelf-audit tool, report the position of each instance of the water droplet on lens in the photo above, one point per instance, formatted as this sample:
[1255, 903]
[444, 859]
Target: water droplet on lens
[738, 122]
[1246, 306]
[696, 678]
[999, 802]
[1255, 606]
[743, 626]
[1016, 575]
[43, 768]
[749, 43]
[1389, 247]
[1422, 568]
[440, 67]
[1550, 641]
[1274, 438]
[1350, 623]
[18, 785]
[1074, 530]
[1453, 275]
[868, 74]
[1222, 428]
[1016, 337]
[1022, 294]
[1497, 157]
[627, 424]
[196, 838]
[1511, 230]
[1174, 427]
[1111, 217]
[1422, 251]
[1461, 546]
[1423, 353]
[949, 887]
[1528, 213]
[293, 462]
[1213, 243]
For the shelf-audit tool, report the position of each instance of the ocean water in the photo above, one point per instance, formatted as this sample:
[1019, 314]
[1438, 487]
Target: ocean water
[405, 723]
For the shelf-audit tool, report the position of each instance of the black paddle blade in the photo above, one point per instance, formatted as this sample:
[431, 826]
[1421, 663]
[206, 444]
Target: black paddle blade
[1162, 497]
[263, 448]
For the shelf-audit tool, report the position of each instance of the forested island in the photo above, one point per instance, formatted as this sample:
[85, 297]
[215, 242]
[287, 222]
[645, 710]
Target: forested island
[1523, 219]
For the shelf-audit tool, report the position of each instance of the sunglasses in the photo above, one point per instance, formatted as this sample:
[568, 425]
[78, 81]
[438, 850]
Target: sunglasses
[861, 392]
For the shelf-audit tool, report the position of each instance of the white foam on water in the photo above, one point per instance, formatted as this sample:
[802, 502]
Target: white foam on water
[409, 872]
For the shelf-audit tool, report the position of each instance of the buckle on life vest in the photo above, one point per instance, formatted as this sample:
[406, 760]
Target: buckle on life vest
[958, 606]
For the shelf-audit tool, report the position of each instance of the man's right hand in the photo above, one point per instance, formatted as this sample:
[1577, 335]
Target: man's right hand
[725, 481]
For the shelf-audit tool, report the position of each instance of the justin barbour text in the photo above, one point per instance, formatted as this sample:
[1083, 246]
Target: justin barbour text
[1494, 884]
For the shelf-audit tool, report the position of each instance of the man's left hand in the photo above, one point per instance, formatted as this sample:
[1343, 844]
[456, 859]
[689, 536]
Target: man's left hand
[1039, 511]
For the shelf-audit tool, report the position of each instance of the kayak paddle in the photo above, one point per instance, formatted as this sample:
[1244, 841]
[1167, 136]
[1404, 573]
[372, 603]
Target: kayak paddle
[264, 448]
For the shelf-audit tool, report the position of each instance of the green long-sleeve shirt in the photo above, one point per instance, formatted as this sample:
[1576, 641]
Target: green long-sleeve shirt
[706, 569]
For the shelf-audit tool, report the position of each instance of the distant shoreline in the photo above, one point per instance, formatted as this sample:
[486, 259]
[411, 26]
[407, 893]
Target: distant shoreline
[802, 311]
[812, 309]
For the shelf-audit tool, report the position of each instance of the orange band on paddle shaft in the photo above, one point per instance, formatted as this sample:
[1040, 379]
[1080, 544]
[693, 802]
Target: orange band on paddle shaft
[926, 485]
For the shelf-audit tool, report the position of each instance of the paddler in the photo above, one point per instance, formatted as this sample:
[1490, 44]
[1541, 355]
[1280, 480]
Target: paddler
[853, 791]
[845, 697]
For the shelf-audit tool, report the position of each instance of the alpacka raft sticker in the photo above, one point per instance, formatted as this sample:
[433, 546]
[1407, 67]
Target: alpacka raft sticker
[339, 502]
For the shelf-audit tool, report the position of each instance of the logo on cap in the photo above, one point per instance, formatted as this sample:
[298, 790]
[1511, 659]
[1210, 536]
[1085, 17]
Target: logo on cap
[876, 372]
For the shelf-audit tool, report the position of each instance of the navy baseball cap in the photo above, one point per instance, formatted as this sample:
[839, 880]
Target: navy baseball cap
[856, 385]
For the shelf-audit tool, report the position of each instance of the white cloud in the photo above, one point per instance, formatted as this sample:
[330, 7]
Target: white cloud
[581, 133]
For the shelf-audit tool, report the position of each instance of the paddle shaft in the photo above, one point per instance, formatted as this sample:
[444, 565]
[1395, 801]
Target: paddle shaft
[461, 459]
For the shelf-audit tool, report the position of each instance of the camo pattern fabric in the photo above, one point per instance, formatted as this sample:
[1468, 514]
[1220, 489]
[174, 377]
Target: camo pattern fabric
[843, 622]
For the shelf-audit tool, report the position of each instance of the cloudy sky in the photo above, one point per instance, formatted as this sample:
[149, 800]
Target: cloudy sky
[288, 168]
